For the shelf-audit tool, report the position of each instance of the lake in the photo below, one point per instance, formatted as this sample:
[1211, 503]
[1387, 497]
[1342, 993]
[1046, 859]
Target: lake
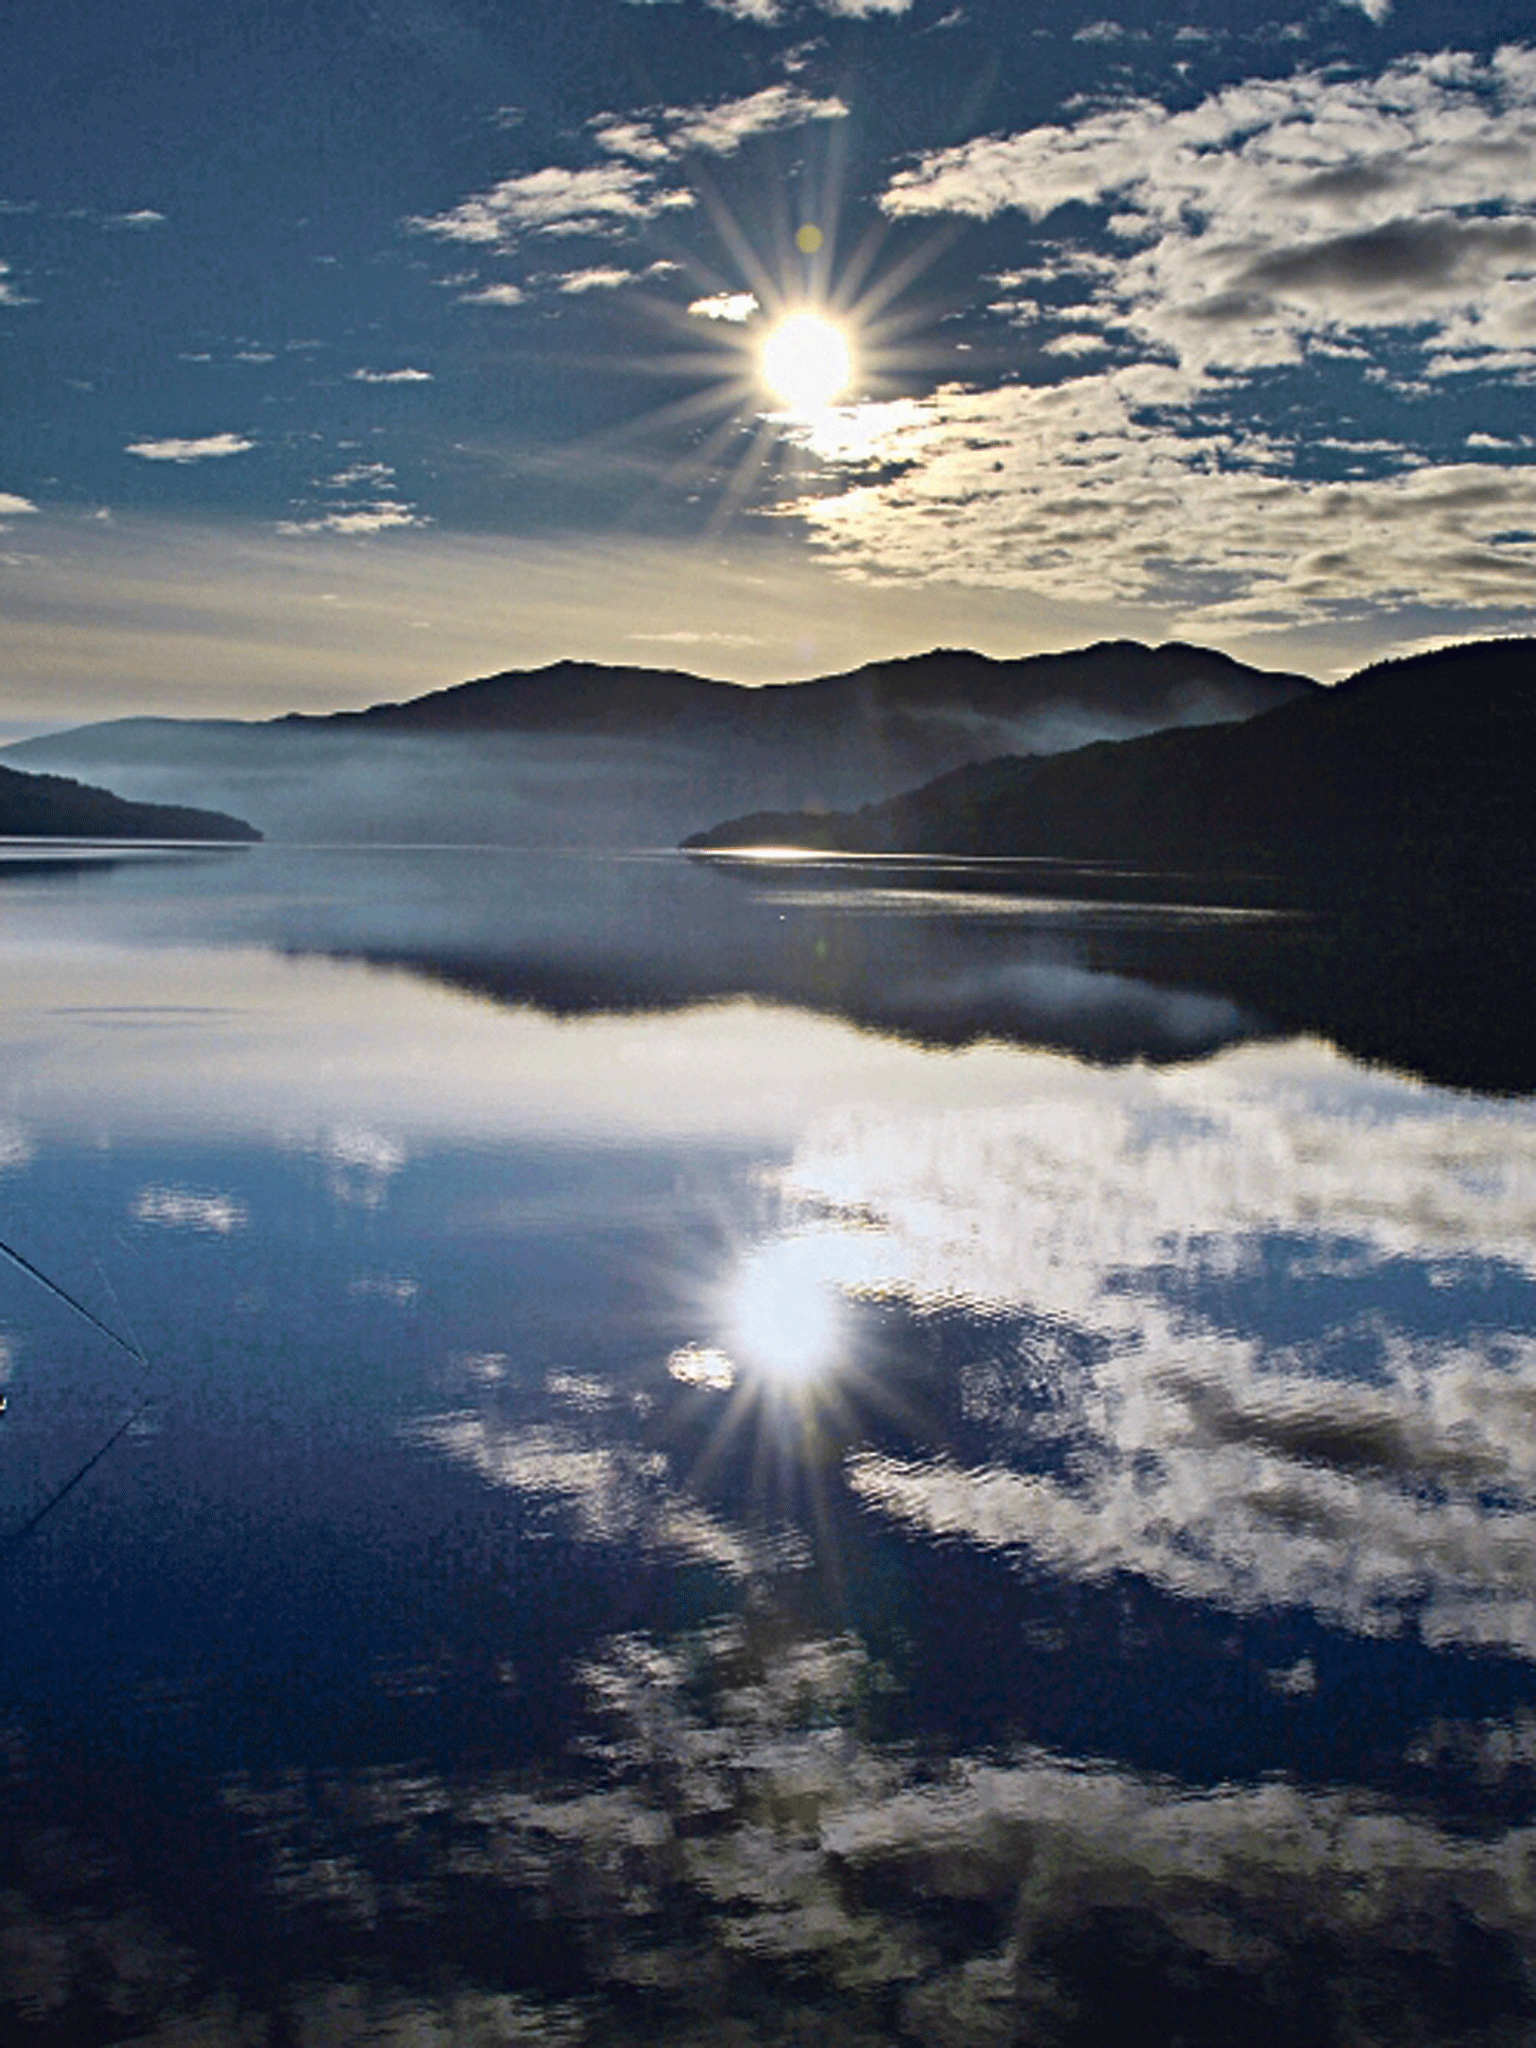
[807, 1452]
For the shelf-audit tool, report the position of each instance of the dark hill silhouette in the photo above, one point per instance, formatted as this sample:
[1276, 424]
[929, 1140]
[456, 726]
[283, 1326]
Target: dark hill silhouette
[943, 691]
[578, 753]
[1408, 766]
[53, 807]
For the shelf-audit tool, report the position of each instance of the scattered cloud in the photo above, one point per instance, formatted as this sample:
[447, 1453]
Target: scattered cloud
[378, 475]
[494, 295]
[384, 515]
[143, 217]
[601, 278]
[725, 306]
[1101, 489]
[552, 201]
[206, 449]
[11, 504]
[9, 294]
[607, 198]
[391, 376]
[767, 13]
[1381, 227]
[684, 638]
[718, 130]
[1282, 209]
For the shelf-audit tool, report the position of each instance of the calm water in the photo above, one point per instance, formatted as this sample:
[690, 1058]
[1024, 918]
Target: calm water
[731, 1460]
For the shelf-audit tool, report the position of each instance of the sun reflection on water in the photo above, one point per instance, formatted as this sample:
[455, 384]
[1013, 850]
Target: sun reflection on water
[785, 1313]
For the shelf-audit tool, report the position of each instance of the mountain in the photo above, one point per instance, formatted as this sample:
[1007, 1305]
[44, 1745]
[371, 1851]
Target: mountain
[577, 753]
[1407, 770]
[53, 807]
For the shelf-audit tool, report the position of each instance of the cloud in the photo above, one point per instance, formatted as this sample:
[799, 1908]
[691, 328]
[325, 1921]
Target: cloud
[9, 295]
[144, 217]
[11, 504]
[766, 13]
[718, 130]
[1382, 228]
[601, 278]
[379, 474]
[390, 376]
[553, 201]
[494, 295]
[1280, 210]
[725, 306]
[204, 450]
[683, 637]
[1101, 489]
[607, 198]
[381, 516]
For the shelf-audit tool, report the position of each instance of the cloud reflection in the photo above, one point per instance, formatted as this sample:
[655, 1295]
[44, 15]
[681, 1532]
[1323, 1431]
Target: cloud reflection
[1304, 1371]
[737, 1842]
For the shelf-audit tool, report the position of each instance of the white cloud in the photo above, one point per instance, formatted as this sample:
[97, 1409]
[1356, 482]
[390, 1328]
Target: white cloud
[209, 447]
[1279, 210]
[143, 217]
[609, 197]
[380, 475]
[725, 306]
[11, 504]
[603, 277]
[391, 376]
[556, 201]
[721, 130]
[1102, 489]
[9, 295]
[1312, 218]
[766, 13]
[494, 295]
[718, 130]
[682, 637]
[382, 516]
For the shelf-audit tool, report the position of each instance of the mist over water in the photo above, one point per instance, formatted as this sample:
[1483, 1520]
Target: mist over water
[879, 1454]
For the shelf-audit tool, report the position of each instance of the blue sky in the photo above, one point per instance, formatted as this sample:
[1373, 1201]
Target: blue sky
[352, 350]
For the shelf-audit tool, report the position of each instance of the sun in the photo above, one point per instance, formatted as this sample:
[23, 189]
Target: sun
[806, 362]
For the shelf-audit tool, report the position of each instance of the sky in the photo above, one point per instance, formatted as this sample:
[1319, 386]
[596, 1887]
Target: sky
[351, 351]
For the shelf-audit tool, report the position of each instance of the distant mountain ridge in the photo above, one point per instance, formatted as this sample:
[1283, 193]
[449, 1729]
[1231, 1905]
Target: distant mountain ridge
[1407, 766]
[54, 807]
[1177, 683]
[579, 753]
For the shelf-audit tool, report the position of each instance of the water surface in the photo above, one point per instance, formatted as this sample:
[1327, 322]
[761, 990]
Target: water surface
[722, 1459]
